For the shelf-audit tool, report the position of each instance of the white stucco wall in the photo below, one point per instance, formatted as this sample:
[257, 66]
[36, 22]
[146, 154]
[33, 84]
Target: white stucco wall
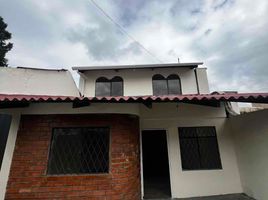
[201, 74]
[138, 82]
[37, 82]
[168, 116]
[251, 140]
[196, 182]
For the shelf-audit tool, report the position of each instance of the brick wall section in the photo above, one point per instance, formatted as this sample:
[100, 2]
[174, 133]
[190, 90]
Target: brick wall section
[28, 179]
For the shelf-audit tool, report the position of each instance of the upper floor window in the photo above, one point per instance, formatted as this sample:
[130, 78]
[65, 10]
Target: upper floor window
[106, 87]
[165, 86]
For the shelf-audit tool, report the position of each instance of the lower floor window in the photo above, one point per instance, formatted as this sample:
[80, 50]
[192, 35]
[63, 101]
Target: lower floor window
[199, 148]
[83, 150]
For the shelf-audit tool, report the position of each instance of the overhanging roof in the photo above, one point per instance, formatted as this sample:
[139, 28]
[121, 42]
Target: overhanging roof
[232, 97]
[145, 66]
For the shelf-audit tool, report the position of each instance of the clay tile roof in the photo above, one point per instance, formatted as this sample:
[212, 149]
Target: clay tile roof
[235, 97]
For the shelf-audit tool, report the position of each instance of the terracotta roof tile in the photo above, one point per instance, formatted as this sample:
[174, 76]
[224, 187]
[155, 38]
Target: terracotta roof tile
[237, 97]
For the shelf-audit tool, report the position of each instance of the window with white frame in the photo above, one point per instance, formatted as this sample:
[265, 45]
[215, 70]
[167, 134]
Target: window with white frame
[166, 86]
[199, 148]
[106, 87]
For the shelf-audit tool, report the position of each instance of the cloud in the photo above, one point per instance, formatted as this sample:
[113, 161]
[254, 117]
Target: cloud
[230, 36]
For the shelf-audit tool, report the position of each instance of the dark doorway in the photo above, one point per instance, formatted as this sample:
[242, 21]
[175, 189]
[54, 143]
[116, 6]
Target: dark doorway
[5, 121]
[155, 164]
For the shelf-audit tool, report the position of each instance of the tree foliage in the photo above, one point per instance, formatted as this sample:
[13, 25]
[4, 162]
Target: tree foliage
[5, 46]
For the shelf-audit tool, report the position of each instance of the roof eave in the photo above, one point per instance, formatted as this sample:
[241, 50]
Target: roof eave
[146, 66]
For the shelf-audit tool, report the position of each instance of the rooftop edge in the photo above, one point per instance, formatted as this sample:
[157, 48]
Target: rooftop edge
[139, 66]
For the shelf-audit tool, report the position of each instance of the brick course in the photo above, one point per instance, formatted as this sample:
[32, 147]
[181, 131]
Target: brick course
[28, 178]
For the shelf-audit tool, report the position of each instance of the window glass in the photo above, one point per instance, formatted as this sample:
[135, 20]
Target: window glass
[117, 86]
[199, 148]
[79, 151]
[103, 87]
[174, 86]
[159, 85]
[165, 86]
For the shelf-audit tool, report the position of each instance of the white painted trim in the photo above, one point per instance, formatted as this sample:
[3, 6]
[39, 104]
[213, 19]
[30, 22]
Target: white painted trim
[8, 155]
[169, 163]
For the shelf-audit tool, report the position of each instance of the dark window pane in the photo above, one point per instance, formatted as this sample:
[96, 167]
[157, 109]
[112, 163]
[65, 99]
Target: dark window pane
[165, 86]
[174, 85]
[103, 89]
[117, 89]
[158, 77]
[189, 153]
[5, 121]
[209, 153]
[206, 131]
[199, 148]
[117, 86]
[79, 150]
[160, 87]
[187, 132]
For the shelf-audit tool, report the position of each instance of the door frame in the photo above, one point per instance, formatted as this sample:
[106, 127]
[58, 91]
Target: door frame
[141, 158]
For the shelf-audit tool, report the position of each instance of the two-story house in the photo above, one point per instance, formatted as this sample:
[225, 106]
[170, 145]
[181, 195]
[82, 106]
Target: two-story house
[129, 132]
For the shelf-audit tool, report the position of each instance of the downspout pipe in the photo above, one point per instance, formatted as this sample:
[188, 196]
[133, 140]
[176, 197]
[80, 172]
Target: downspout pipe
[196, 80]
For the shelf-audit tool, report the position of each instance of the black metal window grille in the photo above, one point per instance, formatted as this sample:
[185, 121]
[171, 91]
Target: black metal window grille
[166, 86]
[80, 150]
[106, 87]
[199, 148]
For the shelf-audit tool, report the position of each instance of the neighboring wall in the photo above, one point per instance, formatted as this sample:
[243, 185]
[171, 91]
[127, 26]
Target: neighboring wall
[193, 183]
[37, 82]
[138, 82]
[202, 80]
[251, 140]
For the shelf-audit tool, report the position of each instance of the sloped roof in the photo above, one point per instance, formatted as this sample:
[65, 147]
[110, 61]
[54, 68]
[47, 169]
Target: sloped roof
[233, 97]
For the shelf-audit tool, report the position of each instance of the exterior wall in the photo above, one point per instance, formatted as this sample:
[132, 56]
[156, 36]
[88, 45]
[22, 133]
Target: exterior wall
[196, 182]
[37, 82]
[201, 74]
[170, 116]
[251, 140]
[4, 171]
[138, 82]
[28, 179]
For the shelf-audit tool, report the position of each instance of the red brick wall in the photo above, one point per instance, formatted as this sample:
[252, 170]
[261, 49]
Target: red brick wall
[28, 179]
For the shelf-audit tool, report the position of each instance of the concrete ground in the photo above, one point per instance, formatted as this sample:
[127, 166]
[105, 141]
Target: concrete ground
[218, 197]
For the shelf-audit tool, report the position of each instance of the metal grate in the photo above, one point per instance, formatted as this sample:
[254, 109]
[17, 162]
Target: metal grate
[199, 148]
[79, 151]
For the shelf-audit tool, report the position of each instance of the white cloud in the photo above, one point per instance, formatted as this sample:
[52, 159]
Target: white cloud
[230, 36]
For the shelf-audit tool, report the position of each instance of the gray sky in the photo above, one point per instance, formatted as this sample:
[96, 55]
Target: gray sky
[229, 36]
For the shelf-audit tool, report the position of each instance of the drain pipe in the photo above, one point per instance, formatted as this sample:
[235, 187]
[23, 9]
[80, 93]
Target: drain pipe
[196, 80]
